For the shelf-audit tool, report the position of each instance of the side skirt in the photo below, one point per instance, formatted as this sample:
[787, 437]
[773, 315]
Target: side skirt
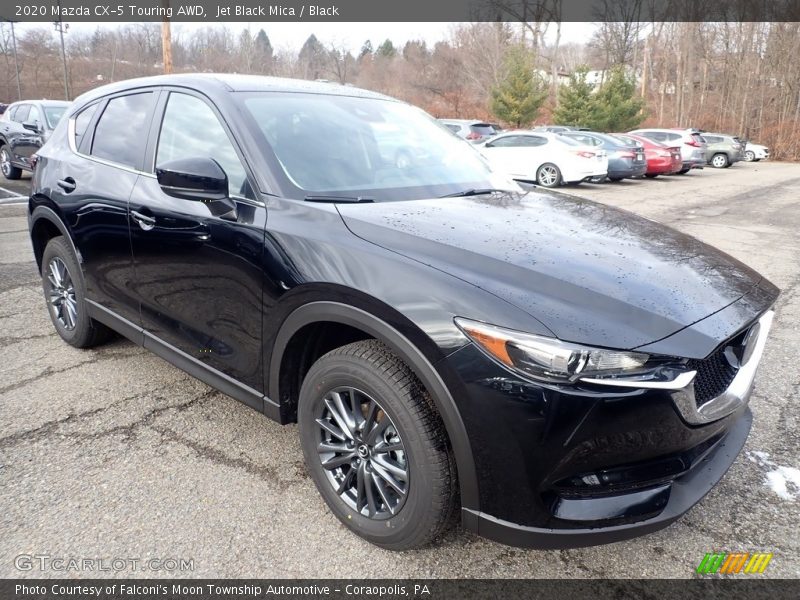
[216, 379]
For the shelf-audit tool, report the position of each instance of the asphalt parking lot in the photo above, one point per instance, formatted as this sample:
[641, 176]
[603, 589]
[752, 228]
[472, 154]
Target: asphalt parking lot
[113, 453]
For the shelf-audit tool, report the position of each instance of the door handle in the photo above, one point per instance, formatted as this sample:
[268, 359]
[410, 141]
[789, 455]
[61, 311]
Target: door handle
[67, 184]
[144, 221]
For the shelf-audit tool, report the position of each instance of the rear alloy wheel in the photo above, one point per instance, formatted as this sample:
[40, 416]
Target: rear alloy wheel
[64, 292]
[720, 161]
[548, 175]
[9, 170]
[749, 156]
[375, 446]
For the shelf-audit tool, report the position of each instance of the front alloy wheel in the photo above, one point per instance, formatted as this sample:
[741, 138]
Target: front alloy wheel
[362, 453]
[375, 446]
[749, 156]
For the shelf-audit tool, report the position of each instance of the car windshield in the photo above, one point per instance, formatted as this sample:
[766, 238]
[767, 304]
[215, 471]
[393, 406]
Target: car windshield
[53, 115]
[346, 146]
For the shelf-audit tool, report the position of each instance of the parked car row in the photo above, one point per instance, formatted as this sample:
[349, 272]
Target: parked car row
[552, 155]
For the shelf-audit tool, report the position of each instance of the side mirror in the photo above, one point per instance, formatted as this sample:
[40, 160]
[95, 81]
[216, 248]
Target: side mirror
[198, 179]
[32, 126]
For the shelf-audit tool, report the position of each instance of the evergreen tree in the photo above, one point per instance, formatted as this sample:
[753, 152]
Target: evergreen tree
[366, 50]
[386, 49]
[313, 58]
[520, 94]
[618, 106]
[577, 104]
[263, 47]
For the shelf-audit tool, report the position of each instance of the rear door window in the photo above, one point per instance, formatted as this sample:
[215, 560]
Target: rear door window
[532, 140]
[34, 116]
[120, 134]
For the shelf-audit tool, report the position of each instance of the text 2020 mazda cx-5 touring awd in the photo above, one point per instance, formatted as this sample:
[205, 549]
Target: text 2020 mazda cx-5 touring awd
[560, 372]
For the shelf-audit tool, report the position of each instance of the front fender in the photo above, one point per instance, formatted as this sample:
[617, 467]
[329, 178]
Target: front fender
[401, 345]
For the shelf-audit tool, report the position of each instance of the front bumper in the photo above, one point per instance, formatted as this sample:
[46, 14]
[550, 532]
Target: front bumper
[593, 463]
[673, 500]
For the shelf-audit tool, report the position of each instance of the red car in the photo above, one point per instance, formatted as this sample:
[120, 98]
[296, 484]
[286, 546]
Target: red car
[661, 159]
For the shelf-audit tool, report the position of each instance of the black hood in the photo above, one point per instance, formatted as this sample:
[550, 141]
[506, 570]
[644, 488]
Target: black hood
[590, 273]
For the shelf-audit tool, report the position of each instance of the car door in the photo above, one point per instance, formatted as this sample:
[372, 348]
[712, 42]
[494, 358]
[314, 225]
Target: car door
[199, 276]
[28, 141]
[92, 185]
[15, 130]
[503, 154]
[532, 152]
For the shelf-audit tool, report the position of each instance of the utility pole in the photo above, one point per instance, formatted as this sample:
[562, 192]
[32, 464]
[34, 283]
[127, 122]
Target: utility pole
[62, 28]
[644, 67]
[16, 64]
[166, 40]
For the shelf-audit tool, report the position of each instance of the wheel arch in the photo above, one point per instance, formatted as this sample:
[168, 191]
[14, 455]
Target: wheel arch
[45, 224]
[374, 327]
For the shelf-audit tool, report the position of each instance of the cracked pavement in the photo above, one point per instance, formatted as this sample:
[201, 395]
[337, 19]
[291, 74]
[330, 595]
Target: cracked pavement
[112, 452]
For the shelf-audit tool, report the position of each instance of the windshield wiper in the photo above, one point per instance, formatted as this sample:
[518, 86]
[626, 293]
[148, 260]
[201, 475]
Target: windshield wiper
[471, 192]
[348, 199]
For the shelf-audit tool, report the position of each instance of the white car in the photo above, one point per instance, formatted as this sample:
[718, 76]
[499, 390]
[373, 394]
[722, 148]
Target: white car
[755, 152]
[549, 159]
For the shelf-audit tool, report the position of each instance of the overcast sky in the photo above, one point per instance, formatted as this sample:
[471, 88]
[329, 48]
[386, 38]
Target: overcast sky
[291, 36]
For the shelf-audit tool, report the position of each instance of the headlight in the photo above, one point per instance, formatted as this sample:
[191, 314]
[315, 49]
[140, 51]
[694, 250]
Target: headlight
[549, 359]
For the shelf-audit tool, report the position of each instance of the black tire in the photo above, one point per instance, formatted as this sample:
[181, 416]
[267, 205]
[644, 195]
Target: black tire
[684, 171]
[720, 161]
[74, 326]
[616, 179]
[368, 372]
[9, 171]
[651, 175]
[548, 175]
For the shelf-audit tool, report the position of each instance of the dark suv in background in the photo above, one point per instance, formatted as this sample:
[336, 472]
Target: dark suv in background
[561, 372]
[723, 150]
[24, 127]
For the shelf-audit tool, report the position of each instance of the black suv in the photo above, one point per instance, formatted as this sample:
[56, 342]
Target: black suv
[561, 372]
[24, 127]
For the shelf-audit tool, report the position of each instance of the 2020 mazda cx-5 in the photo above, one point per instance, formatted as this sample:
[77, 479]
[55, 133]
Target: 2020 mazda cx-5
[561, 372]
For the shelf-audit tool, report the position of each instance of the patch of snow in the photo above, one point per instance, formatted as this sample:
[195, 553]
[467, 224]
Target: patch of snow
[784, 481]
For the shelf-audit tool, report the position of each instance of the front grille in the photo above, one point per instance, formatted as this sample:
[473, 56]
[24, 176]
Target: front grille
[714, 375]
